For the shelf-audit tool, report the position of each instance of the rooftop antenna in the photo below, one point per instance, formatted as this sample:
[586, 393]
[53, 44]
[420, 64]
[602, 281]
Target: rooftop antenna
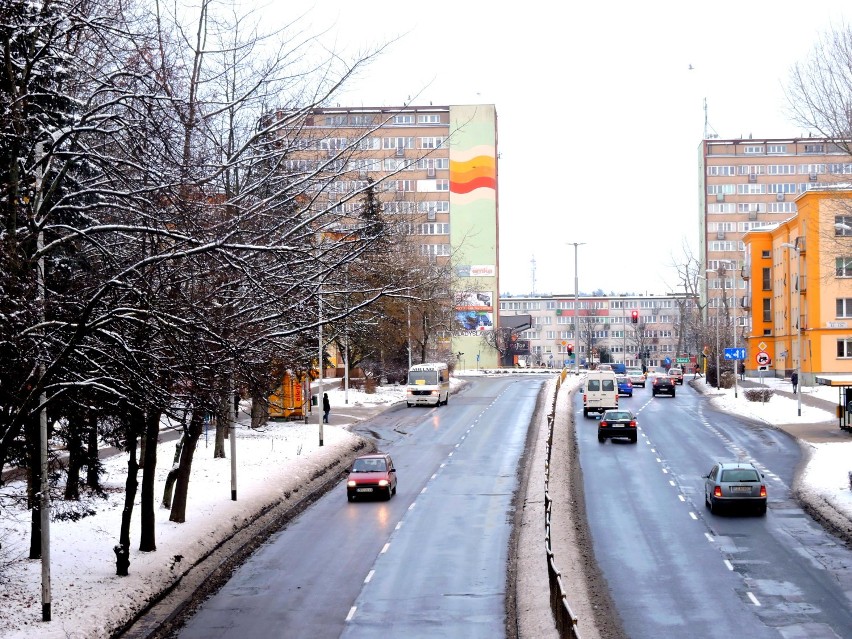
[707, 127]
[532, 263]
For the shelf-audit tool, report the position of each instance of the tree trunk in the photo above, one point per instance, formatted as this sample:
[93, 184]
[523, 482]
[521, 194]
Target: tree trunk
[222, 426]
[259, 411]
[122, 550]
[196, 424]
[33, 441]
[93, 460]
[147, 533]
[172, 476]
[76, 425]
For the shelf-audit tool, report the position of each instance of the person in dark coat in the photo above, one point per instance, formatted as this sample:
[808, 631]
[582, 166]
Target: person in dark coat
[742, 370]
[326, 407]
[794, 378]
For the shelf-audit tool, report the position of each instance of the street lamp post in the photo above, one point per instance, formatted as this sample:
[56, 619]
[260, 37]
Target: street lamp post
[798, 320]
[576, 310]
[734, 304]
[718, 371]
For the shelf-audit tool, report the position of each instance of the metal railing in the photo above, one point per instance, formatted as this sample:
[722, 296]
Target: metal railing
[566, 620]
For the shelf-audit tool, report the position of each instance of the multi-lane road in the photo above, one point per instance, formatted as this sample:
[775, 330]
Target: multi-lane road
[432, 561]
[675, 569]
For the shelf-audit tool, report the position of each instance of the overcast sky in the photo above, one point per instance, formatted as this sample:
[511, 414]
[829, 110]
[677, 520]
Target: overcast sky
[602, 93]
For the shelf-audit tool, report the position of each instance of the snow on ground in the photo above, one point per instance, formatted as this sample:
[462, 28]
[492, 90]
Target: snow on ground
[88, 600]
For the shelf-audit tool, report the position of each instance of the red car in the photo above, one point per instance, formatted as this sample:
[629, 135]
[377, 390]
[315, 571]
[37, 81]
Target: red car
[371, 476]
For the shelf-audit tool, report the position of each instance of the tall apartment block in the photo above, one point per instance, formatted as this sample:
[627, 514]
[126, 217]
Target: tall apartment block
[753, 184]
[436, 173]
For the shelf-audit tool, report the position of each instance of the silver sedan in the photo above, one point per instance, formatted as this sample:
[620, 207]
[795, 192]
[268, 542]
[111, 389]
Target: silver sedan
[734, 483]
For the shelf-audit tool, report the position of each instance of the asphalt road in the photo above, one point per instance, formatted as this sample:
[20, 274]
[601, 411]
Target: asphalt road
[431, 562]
[673, 568]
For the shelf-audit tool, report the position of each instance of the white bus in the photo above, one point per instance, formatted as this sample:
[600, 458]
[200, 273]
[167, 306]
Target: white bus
[428, 384]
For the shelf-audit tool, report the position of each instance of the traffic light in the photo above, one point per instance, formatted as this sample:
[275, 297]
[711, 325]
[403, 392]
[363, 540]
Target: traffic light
[634, 317]
[570, 349]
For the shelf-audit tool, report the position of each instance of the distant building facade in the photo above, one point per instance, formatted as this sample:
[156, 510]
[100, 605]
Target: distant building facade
[661, 335]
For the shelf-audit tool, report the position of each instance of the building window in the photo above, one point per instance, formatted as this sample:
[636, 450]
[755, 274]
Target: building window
[435, 249]
[404, 186]
[843, 225]
[815, 148]
[776, 148]
[752, 189]
[753, 150]
[781, 169]
[767, 279]
[844, 307]
[844, 348]
[720, 170]
[767, 309]
[442, 185]
[429, 119]
[431, 143]
[843, 266]
[403, 119]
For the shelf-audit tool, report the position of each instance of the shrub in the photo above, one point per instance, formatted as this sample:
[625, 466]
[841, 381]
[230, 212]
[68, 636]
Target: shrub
[758, 394]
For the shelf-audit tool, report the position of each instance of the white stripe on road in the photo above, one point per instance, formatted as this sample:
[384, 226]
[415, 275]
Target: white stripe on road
[351, 613]
[729, 565]
[369, 576]
[753, 599]
[385, 548]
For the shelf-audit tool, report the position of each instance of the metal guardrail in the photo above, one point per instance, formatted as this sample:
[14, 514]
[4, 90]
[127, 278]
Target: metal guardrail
[566, 620]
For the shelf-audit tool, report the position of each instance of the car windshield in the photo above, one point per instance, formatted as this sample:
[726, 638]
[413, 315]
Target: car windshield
[617, 415]
[423, 377]
[740, 474]
[369, 466]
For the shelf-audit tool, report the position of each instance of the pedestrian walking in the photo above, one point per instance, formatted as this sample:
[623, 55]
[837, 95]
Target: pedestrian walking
[742, 371]
[326, 407]
[795, 379]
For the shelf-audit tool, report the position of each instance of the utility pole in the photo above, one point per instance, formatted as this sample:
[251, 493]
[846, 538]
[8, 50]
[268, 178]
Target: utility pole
[576, 310]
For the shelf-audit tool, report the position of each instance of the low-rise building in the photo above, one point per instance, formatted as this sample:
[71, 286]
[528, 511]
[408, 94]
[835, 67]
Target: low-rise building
[799, 295]
[636, 330]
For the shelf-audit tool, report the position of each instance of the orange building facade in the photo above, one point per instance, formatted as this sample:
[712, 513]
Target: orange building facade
[798, 276]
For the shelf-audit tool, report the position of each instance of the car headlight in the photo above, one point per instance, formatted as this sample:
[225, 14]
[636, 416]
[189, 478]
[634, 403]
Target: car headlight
[352, 483]
[383, 482]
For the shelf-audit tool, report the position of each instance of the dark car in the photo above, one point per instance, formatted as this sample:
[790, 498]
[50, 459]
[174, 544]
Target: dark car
[371, 476]
[625, 387]
[734, 483]
[617, 423]
[664, 384]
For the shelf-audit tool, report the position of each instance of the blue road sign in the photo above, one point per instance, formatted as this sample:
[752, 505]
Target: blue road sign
[735, 353]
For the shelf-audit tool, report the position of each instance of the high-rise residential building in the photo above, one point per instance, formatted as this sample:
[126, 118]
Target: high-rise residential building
[749, 184]
[435, 171]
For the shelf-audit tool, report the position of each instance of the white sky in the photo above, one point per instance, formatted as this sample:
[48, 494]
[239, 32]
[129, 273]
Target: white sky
[600, 91]
[88, 600]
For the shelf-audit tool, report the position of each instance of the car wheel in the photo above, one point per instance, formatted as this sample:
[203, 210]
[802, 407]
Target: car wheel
[630, 395]
[633, 439]
[351, 497]
[706, 503]
[714, 507]
[761, 510]
[585, 412]
[447, 399]
[394, 489]
[388, 493]
[653, 393]
[408, 404]
[601, 439]
[673, 393]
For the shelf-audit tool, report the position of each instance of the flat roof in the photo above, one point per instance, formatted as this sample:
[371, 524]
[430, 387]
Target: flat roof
[840, 379]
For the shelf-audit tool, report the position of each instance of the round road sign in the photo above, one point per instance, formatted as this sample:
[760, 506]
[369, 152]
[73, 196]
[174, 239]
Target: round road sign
[763, 358]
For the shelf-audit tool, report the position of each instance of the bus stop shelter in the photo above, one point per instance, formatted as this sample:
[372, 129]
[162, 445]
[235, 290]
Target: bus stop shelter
[843, 383]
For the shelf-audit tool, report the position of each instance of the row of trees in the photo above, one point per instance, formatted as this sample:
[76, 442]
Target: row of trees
[154, 252]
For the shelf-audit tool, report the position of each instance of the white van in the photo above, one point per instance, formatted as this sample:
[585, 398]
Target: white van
[600, 392]
[428, 384]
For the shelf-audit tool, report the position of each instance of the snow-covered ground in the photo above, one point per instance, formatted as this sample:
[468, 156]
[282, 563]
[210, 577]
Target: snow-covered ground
[88, 600]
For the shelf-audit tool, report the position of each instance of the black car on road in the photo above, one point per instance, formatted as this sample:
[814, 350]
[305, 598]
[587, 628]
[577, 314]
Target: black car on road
[617, 423]
[664, 384]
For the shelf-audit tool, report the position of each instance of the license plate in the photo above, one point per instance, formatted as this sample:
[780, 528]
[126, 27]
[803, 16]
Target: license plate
[365, 490]
[740, 489]
[617, 425]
